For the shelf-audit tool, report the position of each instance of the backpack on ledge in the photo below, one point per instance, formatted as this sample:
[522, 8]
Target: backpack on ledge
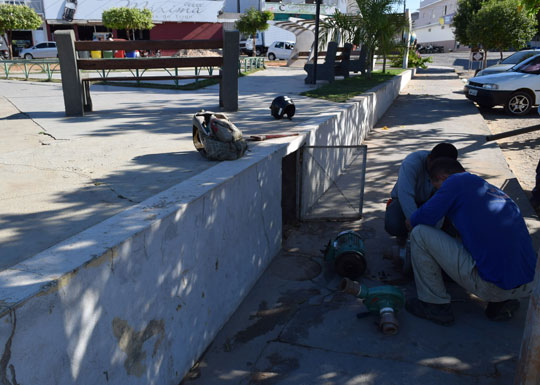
[216, 137]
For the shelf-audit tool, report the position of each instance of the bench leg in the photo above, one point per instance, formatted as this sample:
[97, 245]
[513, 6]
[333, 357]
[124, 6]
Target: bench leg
[87, 99]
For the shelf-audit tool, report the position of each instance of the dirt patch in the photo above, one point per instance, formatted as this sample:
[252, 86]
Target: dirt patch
[521, 151]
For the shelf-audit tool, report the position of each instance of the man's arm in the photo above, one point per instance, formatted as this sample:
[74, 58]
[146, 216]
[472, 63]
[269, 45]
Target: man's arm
[436, 208]
[408, 174]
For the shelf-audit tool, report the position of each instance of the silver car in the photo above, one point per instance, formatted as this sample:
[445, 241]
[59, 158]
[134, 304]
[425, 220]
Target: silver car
[40, 51]
[509, 62]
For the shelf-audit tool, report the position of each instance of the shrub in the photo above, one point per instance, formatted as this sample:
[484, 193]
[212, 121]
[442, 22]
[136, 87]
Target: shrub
[415, 59]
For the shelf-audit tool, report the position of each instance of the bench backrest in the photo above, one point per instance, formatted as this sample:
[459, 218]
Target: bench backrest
[331, 51]
[150, 62]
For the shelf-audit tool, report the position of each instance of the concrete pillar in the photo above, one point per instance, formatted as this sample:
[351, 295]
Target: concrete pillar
[228, 90]
[528, 370]
[71, 81]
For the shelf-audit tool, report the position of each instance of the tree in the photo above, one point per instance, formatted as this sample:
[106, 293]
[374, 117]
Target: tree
[252, 21]
[486, 28]
[531, 6]
[126, 18]
[465, 12]
[14, 17]
[340, 27]
[374, 25]
[391, 26]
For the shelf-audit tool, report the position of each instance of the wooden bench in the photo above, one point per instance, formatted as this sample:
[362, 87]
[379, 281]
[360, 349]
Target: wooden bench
[359, 65]
[332, 66]
[76, 88]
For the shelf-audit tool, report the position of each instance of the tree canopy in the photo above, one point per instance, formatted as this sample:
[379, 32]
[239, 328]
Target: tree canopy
[375, 26]
[13, 17]
[486, 29]
[126, 18]
[531, 6]
[466, 9]
[252, 21]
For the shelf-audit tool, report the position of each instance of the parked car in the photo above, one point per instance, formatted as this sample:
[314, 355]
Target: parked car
[428, 48]
[280, 50]
[4, 49]
[41, 50]
[509, 62]
[517, 89]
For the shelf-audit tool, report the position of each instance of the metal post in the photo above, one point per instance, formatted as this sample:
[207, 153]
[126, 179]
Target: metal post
[317, 14]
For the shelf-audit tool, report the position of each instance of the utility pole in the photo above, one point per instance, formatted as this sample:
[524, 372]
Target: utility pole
[316, 51]
[407, 16]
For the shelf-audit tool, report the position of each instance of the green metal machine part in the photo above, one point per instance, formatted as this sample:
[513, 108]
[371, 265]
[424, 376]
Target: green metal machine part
[346, 252]
[384, 300]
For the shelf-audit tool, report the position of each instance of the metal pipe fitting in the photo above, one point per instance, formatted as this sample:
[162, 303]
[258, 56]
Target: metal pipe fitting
[350, 287]
[388, 322]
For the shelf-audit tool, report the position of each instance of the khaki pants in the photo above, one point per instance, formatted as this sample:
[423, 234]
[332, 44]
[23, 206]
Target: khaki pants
[433, 250]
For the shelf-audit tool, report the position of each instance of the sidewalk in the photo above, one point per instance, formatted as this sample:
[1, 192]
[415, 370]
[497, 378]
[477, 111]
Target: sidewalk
[296, 328]
[65, 174]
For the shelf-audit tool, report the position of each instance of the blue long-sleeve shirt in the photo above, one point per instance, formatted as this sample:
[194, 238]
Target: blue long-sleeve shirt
[413, 186]
[491, 228]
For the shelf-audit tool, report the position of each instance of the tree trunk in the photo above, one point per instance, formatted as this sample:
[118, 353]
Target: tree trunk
[254, 53]
[10, 46]
[501, 54]
[384, 64]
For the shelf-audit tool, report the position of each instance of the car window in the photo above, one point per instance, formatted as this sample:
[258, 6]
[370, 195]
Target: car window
[41, 45]
[531, 66]
[279, 44]
[289, 46]
[518, 57]
[51, 45]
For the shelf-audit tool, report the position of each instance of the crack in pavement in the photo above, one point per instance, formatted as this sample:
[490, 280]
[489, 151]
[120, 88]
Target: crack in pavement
[495, 373]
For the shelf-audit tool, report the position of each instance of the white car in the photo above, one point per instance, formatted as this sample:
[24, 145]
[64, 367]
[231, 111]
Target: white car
[39, 51]
[280, 50]
[517, 89]
[509, 62]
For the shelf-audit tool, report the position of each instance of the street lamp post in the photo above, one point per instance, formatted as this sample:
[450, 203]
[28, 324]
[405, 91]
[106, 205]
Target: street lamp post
[317, 13]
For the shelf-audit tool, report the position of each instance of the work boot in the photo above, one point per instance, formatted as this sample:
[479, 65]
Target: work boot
[439, 313]
[502, 311]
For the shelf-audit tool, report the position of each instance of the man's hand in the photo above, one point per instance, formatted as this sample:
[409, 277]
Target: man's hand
[408, 225]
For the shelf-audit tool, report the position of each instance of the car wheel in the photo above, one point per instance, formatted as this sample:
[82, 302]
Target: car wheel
[271, 56]
[28, 56]
[519, 103]
[258, 52]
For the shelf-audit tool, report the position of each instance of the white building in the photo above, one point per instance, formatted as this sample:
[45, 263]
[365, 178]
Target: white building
[433, 24]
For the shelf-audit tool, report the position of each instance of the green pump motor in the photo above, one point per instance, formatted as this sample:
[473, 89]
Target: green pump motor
[384, 300]
[346, 252]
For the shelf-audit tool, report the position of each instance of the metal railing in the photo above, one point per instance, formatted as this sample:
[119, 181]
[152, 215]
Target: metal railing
[51, 66]
[248, 63]
[27, 67]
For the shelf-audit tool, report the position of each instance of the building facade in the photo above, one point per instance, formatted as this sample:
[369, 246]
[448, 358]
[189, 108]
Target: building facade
[433, 24]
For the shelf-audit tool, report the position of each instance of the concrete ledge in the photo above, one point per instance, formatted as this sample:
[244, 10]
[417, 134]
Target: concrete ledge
[137, 298]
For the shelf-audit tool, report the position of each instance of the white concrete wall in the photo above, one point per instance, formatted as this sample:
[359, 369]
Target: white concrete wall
[434, 33]
[137, 298]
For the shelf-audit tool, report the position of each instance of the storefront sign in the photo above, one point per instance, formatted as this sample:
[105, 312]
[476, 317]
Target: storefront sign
[299, 9]
[162, 10]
